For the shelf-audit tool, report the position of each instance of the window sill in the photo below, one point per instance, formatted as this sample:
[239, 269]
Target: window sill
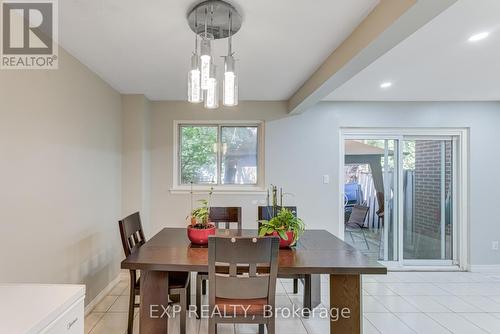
[220, 190]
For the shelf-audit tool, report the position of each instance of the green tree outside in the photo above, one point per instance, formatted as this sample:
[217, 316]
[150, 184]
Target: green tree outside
[198, 154]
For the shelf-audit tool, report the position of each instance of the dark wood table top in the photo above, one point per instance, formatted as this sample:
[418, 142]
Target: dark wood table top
[317, 252]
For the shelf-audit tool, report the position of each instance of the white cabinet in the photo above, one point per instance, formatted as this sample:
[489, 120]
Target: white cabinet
[41, 309]
[70, 322]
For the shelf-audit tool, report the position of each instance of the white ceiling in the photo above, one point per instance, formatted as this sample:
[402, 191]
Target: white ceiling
[437, 62]
[145, 46]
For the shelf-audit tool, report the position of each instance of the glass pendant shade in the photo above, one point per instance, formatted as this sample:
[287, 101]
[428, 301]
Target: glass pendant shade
[212, 92]
[230, 89]
[213, 20]
[194, 81]
[206, 60]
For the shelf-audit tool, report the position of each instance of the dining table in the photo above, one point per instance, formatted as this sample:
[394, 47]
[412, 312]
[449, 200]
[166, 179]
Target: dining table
[316, 252]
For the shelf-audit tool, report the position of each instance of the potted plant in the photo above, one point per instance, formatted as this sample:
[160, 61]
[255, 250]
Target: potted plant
[200, 227]
[285, 225]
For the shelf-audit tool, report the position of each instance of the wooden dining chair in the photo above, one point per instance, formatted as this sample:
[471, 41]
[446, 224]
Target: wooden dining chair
[132, 236]
[222, 217]
[266, 213]
[226, 217]
[242, 281]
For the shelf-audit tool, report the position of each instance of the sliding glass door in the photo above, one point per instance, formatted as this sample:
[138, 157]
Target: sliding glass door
[371, 203]
[399, 203]
[388, 212]
[428, 168]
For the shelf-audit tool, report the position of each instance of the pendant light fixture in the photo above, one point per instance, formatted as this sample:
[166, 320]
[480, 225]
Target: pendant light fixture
[212, 92]
[220, 20]
[206, 56]
[230, 90]
[194, 77]
[206, 60]
[194, 74]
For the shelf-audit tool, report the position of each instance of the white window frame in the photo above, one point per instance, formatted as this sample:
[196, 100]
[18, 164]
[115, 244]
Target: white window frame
[258, 188]
[460, 186]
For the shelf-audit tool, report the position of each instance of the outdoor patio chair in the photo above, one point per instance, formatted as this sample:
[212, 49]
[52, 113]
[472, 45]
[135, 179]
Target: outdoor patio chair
[356, 222]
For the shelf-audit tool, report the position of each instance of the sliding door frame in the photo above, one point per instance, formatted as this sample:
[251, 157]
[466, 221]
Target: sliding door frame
[460, 186]
[455, 227]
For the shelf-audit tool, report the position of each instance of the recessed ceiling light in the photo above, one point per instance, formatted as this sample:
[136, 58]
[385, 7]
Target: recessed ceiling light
[386, 84]
[479, 36]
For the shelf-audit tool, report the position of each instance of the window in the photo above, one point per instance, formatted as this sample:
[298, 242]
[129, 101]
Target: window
[198, 156]
[226, 154]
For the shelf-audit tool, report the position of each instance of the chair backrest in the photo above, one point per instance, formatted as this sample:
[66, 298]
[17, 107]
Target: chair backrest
[358, 215]
[225, 216]
[267, 212]
[242, 267]
[131, 233]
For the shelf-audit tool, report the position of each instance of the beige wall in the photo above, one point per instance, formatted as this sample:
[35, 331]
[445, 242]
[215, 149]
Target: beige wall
[169, 209]
[136, 167]
[60, 176]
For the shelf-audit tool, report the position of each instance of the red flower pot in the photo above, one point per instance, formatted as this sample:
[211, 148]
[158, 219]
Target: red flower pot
[199, 236]
[285, 243]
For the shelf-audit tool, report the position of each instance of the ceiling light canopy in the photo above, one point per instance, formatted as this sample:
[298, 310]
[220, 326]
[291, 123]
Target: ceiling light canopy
[478, 37]
[209, 20]
[386, 84]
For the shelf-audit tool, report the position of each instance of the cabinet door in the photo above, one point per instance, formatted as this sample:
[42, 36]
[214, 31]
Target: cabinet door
[70, 322]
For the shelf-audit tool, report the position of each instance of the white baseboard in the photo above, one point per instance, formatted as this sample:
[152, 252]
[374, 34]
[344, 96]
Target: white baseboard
[90, 306]
[485, 268]
[426, 268]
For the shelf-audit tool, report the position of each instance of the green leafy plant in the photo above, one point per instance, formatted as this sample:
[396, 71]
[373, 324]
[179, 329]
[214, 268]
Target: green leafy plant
[202, 213]
[200, 217]
[198, 160]
[284, 221]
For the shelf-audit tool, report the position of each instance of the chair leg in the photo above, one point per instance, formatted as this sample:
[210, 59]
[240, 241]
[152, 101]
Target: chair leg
[352, 237]
[307, 303]
[130, 326]
[271, 326]
[183, 302]
[295, 286]
[261, 328]
[198, 296]
[366, 241]
[203, 287]
[188, 294]
[212, 326]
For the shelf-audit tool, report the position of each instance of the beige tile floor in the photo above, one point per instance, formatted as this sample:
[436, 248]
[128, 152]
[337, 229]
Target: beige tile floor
[401, 302]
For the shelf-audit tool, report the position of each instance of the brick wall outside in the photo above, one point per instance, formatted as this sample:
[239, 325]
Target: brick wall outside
[427, 200]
